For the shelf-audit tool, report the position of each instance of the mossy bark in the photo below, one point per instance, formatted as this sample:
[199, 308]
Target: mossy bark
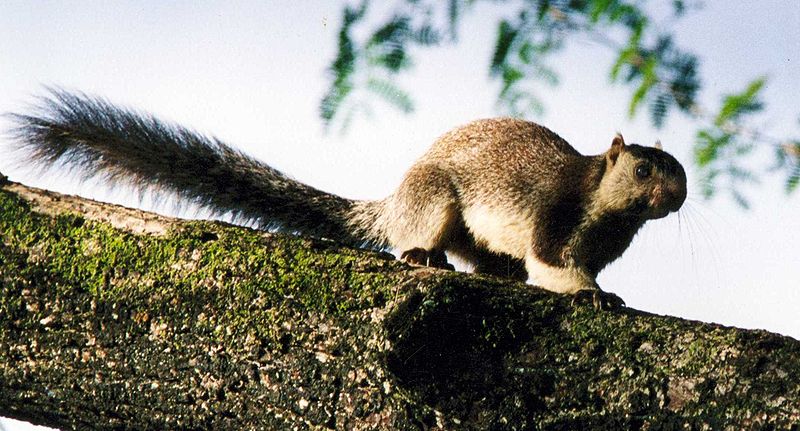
[115, 319]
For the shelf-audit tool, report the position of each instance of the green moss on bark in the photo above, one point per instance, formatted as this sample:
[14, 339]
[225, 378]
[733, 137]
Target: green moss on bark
[101, 325]
[219, 327]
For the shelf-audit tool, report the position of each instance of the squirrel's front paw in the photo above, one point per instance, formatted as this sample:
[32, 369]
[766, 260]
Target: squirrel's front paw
[601, 300]
[422, 257]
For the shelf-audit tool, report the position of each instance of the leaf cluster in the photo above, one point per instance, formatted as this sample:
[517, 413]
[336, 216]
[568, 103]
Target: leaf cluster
[719, 147]
[519, 57]
[663, 77]
[370, 65]
[787, 157]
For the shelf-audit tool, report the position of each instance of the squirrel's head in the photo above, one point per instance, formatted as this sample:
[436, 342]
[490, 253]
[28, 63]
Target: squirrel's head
[645, 181]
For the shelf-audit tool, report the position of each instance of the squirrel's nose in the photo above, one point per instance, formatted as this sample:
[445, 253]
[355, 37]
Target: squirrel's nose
[675, 195]
[668, 197]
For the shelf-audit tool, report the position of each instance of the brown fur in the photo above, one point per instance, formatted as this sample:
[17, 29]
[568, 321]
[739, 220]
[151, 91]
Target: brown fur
[507, 190]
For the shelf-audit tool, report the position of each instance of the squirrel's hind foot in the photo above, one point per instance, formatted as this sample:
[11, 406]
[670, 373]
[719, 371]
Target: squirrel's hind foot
[421, 257]
[600, 299]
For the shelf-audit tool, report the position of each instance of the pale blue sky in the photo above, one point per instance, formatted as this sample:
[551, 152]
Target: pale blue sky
[252, 73]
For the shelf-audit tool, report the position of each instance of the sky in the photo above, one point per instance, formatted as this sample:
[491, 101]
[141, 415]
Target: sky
[253, 73]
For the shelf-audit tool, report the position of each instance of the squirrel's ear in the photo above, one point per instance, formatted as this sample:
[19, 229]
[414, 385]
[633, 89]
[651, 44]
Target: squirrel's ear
[658, 145]
[616, 148]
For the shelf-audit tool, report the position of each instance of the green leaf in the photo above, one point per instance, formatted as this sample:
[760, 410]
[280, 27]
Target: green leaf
[793, 180]
[659, 106]
[505, 38]
[678, 7]
[393, 60]
[391, 93]
[739, 198]
[707, 188]
[708, 146]
[426, 36]
[741, 174]
[598, 8]
[534, 106]
[453, 16]
[631, 16]
[685, 85]
[649, 79]
[625, 56]
[394, 32]
[705, 148]
[735, 105]
[542, 7]
[525, 52]
[721, 148]
[353, 15]
[333, 100]
[789, 154]
[343, 65]
[546, 74]
[743, 149]
[510, 77]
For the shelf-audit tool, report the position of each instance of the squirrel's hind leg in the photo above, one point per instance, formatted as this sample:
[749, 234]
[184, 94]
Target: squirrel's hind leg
[424, 214]
[434, 258]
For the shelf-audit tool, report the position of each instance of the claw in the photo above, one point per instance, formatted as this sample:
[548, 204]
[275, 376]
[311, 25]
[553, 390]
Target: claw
[601, 300]
[431, 258]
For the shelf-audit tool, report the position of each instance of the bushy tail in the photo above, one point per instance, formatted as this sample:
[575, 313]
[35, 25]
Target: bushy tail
[119, 145]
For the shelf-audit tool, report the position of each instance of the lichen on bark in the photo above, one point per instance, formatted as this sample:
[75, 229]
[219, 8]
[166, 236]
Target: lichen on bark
[207, 325]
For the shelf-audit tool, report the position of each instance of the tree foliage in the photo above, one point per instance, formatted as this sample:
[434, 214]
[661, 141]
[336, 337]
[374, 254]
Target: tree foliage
[663, 77]
[367, 67]
[719, 146]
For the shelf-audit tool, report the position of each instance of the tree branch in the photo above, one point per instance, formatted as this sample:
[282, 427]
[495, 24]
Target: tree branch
[111, 318]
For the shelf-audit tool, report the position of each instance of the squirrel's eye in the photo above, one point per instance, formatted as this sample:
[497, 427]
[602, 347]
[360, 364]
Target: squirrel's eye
[643, 171]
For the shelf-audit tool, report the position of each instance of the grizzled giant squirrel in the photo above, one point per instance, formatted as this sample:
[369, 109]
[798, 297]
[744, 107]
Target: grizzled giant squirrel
[508, 196]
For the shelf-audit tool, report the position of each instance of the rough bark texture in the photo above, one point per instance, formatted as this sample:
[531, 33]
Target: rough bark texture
[169, 324]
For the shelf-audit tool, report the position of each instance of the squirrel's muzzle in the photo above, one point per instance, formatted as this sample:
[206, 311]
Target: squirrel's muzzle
[667, 197]
[675, 196]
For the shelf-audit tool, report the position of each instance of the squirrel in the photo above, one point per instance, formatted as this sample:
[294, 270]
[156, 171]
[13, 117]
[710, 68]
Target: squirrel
[508, 196]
